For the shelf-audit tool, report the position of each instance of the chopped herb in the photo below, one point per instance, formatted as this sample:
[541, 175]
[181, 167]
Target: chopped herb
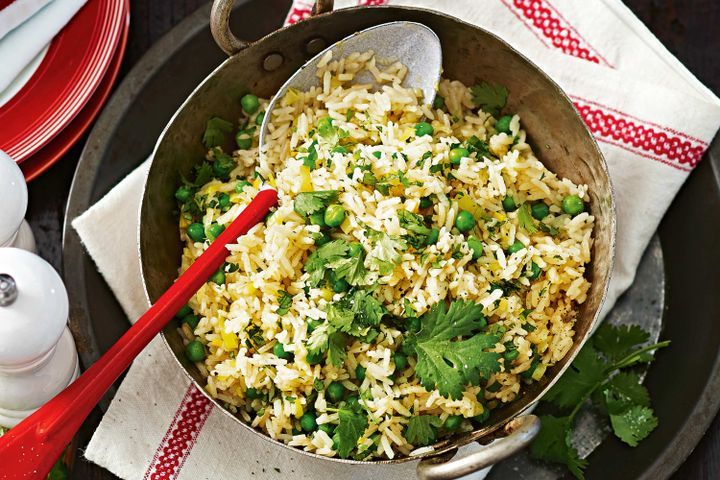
[490, 97]
[215, 130]
[223, 165]
[318, 385]
[310, 160]
[285, 301]
[317, 262]
[351, 426]
[422, 430]
[447, 364]
[549, 229]
[386, 251]
[525, 219]
[307, 203]
[415, 225]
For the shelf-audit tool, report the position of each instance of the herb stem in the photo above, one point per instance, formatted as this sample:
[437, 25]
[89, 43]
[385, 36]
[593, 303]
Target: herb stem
[631, 357]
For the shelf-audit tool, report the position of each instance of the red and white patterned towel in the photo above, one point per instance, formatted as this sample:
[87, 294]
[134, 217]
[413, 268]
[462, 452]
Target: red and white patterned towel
[653, 120]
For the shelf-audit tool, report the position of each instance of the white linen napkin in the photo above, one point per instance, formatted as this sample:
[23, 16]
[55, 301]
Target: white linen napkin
[16, 12]
[23, 43]
[653, 121]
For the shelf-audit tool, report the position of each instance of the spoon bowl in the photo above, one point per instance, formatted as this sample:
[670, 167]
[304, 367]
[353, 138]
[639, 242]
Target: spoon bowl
[413, 44]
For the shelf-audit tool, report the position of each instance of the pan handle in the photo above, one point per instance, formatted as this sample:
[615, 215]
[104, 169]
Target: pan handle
[521, 432]
[220, 23]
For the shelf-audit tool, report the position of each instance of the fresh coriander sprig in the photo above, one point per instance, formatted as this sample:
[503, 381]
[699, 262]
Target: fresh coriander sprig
[598, 374]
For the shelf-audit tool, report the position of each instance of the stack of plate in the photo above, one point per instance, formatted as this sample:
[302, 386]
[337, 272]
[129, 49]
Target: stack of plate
[54, 100]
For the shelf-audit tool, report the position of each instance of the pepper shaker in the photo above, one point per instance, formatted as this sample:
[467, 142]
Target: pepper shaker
[14, 230]
[38, 358]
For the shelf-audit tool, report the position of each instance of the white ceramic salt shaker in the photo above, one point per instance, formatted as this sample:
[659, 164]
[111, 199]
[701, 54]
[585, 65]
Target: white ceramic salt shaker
[38, 358]
[14, 230]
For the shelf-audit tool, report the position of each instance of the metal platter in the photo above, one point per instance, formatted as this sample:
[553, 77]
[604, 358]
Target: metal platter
[675, 288]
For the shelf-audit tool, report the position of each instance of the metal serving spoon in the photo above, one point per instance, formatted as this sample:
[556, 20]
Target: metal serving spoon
[413, 44]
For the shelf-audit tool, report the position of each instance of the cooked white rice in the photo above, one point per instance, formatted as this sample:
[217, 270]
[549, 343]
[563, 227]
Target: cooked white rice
[239, 324]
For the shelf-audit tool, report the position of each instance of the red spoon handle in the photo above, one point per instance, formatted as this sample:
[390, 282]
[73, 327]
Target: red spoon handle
[29, 450]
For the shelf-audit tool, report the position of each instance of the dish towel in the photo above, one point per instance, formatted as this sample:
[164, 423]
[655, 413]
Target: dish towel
[27, 33]
[652, 119]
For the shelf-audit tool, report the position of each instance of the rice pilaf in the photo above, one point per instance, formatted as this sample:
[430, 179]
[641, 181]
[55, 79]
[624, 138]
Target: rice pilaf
[421, 266]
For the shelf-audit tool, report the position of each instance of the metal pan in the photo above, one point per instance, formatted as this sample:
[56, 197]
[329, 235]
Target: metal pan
[263, 66]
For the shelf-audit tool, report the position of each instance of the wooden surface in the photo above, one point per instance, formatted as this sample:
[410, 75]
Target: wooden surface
[688, 28]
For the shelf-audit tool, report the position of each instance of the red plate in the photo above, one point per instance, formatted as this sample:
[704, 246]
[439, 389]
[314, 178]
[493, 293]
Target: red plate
[71, 71]
[56, 148]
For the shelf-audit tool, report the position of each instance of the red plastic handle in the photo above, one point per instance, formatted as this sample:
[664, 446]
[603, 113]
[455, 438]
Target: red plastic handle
[30, 450]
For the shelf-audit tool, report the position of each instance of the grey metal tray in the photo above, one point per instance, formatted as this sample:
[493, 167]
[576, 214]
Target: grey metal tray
[678, 280]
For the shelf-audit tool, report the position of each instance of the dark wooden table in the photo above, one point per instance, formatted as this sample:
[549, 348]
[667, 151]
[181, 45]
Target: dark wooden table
[688, 28]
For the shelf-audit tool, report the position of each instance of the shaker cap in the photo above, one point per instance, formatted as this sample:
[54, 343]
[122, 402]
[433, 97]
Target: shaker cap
[33, 307]
[13, 197]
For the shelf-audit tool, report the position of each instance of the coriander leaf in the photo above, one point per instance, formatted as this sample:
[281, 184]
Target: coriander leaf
[318, 261]
[311, 158]
[368, 310]
[422, 430]
[586, 371]
[355, 313]
[203, 174]
[415, 225]
[451, 365]
[553, 444]
[327, 130]
[351, 269]
[349, 430]
[285, 301]
[318, 341]
[337, 342]
[525, 219]
[223, 165]
[634, 424]
[318, 385]
[625, 390]
[490, 97]
[340, 316]
[386, 252]
[616, 342]
[307, 203]
[215, 130]
[474, 144]
[549, 229]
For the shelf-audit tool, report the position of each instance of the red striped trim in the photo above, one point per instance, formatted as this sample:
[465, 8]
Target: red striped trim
[371, 3]
[180, 437]
[647, 139]
[547, 23]
[298, 11]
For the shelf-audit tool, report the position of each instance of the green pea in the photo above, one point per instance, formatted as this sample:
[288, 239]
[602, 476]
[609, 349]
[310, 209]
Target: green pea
[339, 149]
[335, 391]
[308, 422]
[540, 210]
[483, 417]
[334, 215]
[215, 230]
[355, 249]
[465, 221]
[425, 202]
[244, 140]
[423, 128]
[413, 324]
[259, 118]
[534, 271]
[184, 311]
[279, 351]
[252, 393]
[219, 276]
[572, 205]
[400, 362]
[360, 372]
[318, 218]
[250, 103]
[195, 351]
[353, 402]
[457, 154]
[340, 286]
[240, 186]
[433, 236]
[313, 324]
[503, 124]
[515, 247]
[476, 246]
[377, 154]
[453, 422]
[183, 194]
[314, 357]
[196, 232]
[224, 200]
[508, 204]
[439, 102]
[328, 428]
[191, 320]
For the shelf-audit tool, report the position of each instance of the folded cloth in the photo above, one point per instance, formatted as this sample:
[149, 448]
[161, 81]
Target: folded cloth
[653, 121]
[14, 12]
[21, 45]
